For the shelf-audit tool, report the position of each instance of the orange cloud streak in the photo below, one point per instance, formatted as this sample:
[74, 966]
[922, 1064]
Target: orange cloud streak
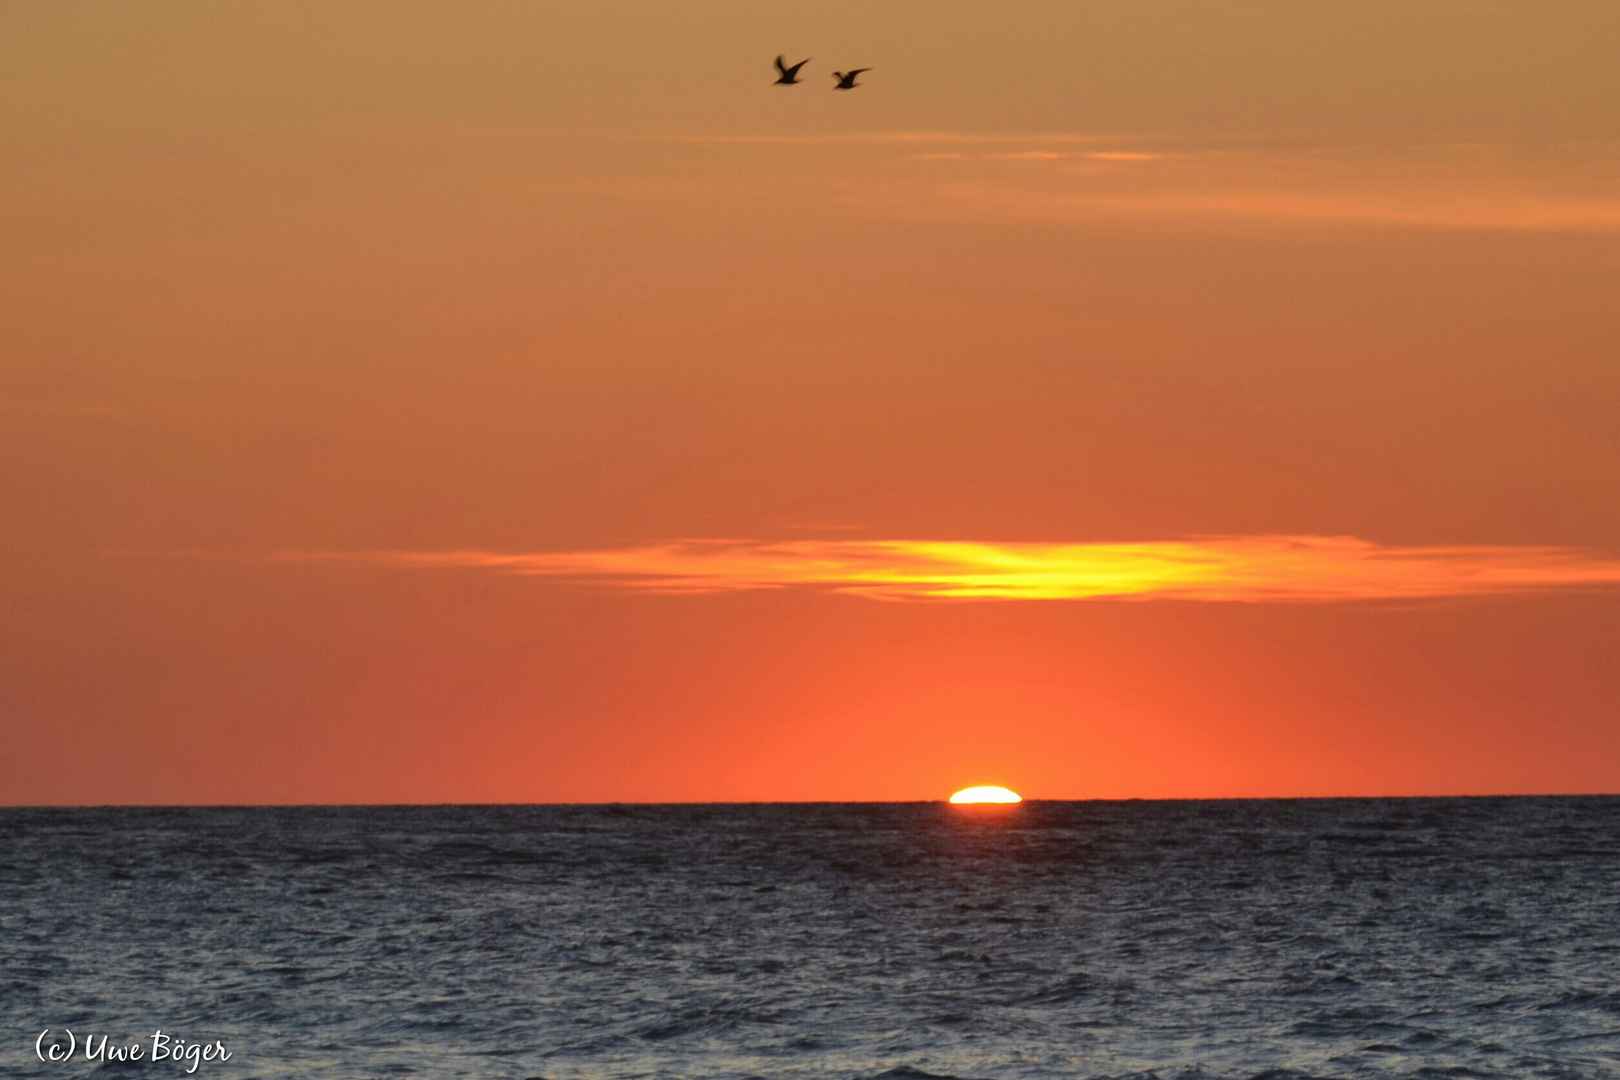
[1222, 568]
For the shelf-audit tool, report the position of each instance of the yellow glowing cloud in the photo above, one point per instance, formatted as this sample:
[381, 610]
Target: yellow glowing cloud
[1222, 568]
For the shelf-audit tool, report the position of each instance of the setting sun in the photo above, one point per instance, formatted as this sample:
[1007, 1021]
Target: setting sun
[986, 795]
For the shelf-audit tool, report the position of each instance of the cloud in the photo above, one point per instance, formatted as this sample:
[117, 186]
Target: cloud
[882, 138]
[1252, 569]
[1450, 209]
[1064, 155]
[1456, 188]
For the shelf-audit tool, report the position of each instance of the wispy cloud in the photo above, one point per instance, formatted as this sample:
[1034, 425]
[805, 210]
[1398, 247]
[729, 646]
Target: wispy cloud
[1067, 155]
[883, 138]
[1479, 188]
[1252, 569]
[1413, 208]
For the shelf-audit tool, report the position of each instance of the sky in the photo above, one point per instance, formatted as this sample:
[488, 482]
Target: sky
[530, 402]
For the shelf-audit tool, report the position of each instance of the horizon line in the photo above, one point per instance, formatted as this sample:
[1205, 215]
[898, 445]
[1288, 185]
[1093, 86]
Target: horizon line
[942, 801]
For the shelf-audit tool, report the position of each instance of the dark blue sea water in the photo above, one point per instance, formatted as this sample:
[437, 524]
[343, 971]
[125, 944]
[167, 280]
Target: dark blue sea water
[1358, 938]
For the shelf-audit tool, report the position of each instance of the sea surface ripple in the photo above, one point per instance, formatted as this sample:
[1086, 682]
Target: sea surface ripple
[1234, 939]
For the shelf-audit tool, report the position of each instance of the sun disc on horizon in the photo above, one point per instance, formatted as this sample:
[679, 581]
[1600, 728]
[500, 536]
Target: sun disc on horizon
[986, 795]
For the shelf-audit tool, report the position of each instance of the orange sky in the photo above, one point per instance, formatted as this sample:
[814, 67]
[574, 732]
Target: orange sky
[447, 402]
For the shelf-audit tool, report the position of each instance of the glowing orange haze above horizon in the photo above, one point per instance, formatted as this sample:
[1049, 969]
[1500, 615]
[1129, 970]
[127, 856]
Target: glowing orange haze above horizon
[512, 402]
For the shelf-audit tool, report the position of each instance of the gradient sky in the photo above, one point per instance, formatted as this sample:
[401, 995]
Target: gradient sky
[529, 402]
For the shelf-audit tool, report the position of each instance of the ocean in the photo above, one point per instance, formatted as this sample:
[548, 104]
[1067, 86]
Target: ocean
[1269, 938]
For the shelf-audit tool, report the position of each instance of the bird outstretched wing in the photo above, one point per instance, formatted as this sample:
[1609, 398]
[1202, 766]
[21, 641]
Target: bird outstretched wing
[781, 65]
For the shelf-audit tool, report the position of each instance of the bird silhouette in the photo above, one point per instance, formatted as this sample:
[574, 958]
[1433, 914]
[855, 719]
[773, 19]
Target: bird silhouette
[846, 79]
[788, 76]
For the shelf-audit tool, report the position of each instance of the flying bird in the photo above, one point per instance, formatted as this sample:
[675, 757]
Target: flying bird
[788, 76]
[846, 79]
